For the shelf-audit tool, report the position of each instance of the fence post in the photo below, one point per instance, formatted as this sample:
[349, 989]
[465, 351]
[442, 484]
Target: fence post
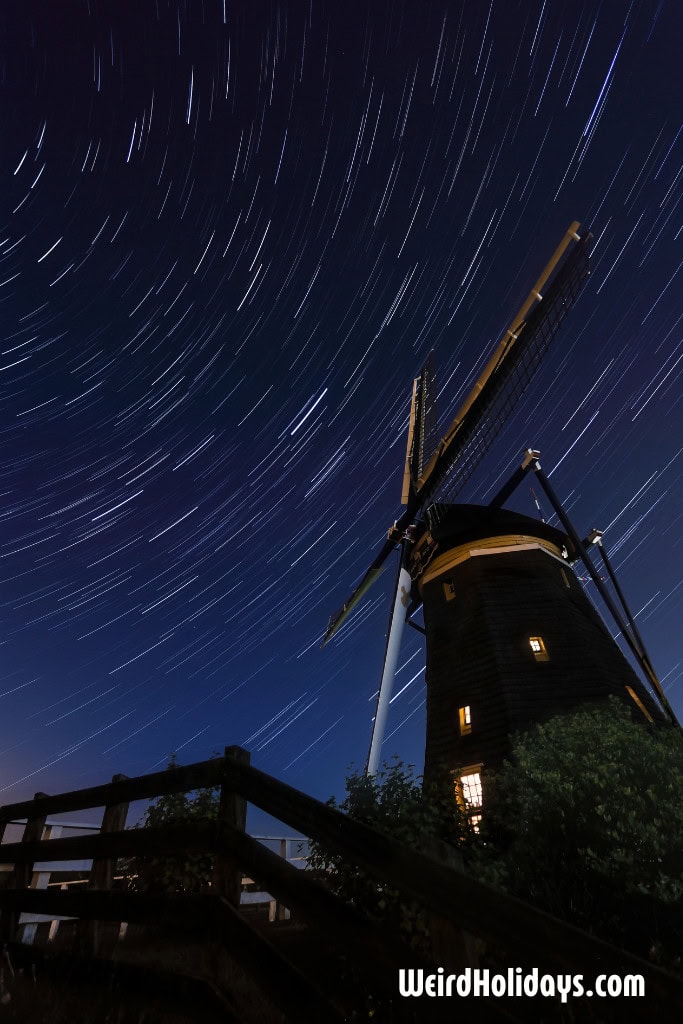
[22, 874]
[232, 810]
[89, 933]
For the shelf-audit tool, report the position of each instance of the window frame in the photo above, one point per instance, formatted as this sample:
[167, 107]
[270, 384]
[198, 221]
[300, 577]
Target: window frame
[469, 772]
[465, 719]
[540, 653]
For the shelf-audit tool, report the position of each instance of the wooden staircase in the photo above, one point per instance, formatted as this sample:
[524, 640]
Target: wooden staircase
[319, 967]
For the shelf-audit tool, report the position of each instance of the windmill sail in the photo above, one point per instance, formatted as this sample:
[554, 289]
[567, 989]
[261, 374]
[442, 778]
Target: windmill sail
[422, 429]
[502, 382]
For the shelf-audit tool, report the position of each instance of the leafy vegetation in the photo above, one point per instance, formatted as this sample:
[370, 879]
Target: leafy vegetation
[586, 822]
[395, 802]
[190, 872]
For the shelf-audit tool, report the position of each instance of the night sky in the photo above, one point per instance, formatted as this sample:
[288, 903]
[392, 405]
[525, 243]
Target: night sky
[231, 234]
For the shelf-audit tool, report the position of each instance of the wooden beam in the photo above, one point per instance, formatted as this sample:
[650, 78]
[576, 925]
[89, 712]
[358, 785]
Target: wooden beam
[501, 351]
[337, 923]
[23, 870]
[148, 842]
[232, 812]
[89, 933]
[142, 787]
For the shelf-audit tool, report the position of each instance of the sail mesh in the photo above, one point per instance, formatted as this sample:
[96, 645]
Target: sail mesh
[485, 418]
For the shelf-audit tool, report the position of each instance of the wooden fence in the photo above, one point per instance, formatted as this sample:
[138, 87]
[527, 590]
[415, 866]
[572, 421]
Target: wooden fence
[40, 879]
[61, 875]
[519, 934]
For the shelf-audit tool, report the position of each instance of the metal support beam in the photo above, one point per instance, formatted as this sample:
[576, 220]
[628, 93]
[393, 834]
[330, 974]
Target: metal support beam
[604, 593]
[420, 629]
[530, 457]
[634, 629]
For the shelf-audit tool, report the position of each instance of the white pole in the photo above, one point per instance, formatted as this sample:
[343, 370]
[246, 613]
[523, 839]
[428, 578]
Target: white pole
[398, 616]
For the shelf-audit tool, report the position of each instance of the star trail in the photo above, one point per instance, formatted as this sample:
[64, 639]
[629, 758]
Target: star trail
[231, 234]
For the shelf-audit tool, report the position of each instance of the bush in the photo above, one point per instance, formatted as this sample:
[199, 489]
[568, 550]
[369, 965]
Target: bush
[186, 873]
[396, 803]
[586, 821]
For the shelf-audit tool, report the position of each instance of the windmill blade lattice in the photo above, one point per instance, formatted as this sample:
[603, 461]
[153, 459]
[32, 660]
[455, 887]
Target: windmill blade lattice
[491, 400]
[422, 430]
[490, 409]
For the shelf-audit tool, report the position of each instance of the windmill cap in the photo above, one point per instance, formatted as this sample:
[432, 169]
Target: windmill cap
[461, 524]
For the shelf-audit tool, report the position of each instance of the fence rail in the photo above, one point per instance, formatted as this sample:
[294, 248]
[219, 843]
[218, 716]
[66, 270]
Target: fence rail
[430, 877]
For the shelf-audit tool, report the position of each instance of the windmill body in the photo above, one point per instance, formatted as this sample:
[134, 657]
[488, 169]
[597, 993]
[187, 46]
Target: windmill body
[511, 637]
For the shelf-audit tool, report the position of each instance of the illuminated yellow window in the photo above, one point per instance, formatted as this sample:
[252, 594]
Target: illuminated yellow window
[468, 791]
[449, 590]
[471, 789]
[465, 716]
[538, 648]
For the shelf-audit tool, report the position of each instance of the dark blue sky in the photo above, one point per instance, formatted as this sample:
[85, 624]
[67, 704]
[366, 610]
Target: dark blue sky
[231, 233]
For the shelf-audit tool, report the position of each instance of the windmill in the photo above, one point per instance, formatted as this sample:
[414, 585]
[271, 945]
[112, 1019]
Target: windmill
[510, 635]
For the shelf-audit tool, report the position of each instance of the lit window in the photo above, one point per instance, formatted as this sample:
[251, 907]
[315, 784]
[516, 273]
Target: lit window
[538, 648]
[471, 789]
[465, 715]
[475, 819]
[449, 590]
